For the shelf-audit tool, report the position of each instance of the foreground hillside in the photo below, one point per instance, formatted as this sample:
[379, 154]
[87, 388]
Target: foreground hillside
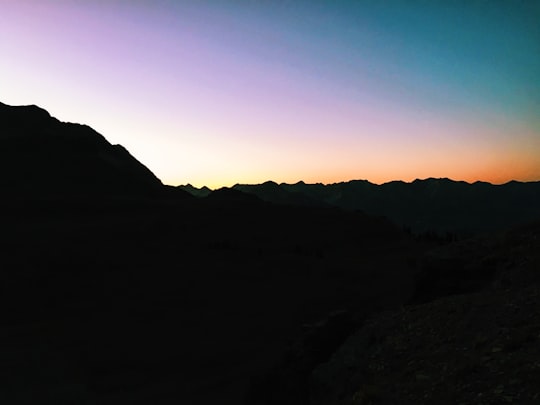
[176, 302]
[479, 348]
[473, 342]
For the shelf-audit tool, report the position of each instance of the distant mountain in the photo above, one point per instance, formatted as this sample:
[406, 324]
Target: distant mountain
[273, 192]
[39, 155]
[438, 205]
[231, 196]
[197, 192]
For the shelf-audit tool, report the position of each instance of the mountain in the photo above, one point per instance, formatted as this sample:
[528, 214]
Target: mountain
[114, 292]
[430, 205]
[119, 290]
[273, 192]
[197, 192]
[41, 156]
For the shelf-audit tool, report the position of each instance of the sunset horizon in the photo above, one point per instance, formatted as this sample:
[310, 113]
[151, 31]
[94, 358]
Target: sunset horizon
[500, 180]
[222, 93]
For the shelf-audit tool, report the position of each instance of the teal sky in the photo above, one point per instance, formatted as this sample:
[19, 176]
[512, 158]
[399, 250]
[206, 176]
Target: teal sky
[219, 92]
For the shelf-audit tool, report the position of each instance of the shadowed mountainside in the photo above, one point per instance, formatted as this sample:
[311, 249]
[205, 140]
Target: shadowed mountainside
[116, 289]
[41, 156]
[439, 205]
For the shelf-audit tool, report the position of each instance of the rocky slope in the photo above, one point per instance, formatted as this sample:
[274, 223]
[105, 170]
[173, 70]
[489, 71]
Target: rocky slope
[474, 339]
[477, 348]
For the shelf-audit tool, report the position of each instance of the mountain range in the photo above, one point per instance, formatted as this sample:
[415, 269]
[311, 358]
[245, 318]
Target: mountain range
[46, 157]
[117, 289]
[430, 205]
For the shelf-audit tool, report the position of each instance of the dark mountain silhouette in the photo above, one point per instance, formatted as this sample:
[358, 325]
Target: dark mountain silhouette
[229, 195]
[197, 192]
[116, 289]
[40, 155]
[436, 205]
[273, 192]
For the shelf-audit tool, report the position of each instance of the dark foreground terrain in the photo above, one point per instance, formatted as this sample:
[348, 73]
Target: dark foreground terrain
[476, 348]
[116, 289]
[177, 302]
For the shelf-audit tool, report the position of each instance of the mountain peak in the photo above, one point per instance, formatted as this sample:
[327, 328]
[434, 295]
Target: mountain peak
[44, 156]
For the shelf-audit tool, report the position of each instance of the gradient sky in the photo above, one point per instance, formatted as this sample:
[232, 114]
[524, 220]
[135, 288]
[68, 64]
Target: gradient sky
[223, 92]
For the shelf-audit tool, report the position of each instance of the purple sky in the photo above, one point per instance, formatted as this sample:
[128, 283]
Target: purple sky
[217, 93]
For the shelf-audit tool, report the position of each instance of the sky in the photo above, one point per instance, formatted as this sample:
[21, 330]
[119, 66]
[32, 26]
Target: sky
[223, 92]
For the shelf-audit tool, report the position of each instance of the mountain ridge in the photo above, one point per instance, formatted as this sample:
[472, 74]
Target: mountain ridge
[47, 157]
[423, 205]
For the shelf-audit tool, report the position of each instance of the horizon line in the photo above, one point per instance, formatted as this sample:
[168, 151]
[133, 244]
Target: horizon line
[354, 180]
